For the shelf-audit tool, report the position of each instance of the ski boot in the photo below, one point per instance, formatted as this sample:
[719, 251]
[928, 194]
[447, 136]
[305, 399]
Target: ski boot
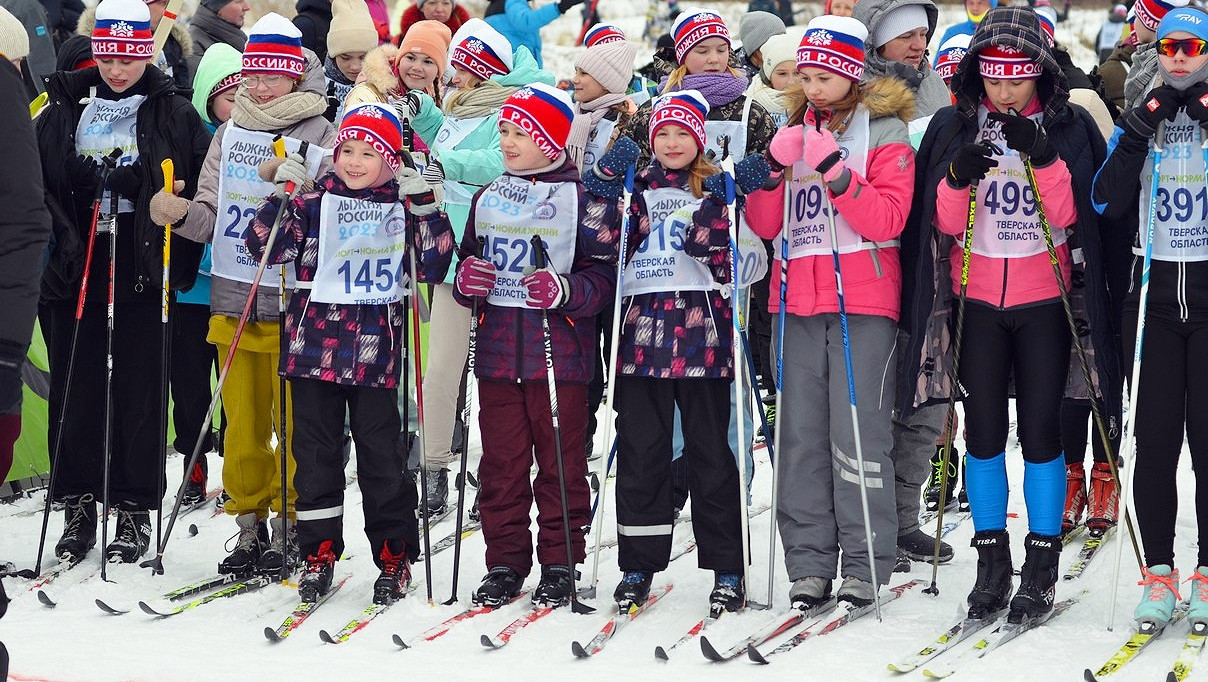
[728, 594]
[1038, 578]
[281, 556]
[131, 538]
[391, 584]
[499, 586]
[79, 530]
[316, 577]
[195, 487]
[806, 593]
[1103, 503]
[633, 590]
[992, 588]
[856, 591]
[437, 491]
[1075, 496]
[1198, 612]
[920, 546]
[936, 494]
[1161, 585]
[556, 587]
[250, 542]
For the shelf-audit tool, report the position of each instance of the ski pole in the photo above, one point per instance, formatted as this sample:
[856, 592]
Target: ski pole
[418, 360]
[1080, 350]
[1128, 445]
[283, 428]
[156, 564]
[108, 442]
[587, 15]
[540, 258]
[780, 317]
[610, 380]
[169, 173]
[479, 246]
[107, 163]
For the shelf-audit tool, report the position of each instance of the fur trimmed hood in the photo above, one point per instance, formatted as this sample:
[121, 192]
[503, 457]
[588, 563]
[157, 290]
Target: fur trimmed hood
[883, 96]
[378, 69]
[180, 30]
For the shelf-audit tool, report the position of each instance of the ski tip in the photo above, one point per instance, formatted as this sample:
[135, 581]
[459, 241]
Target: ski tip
[146, 608]
[661, 654]
[271, 635]
[490, 643]
[398, 641]
[755, 657]
[109, 609]
[707, 649]
[326, 637]
[46, 600]
[578, 650]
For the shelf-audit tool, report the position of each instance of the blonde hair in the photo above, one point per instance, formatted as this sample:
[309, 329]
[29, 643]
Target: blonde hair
[796, 104]
[700, 168]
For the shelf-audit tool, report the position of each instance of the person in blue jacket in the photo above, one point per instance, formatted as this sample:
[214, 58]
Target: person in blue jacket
[975, 10]
[521, 24]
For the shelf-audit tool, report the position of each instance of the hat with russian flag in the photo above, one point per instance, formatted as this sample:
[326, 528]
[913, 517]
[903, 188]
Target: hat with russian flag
[952, 51]
[601, 34]
[1150, 12]
[274, 46]
[1004, 62]
[376, 125]
[694, 25]
[544, 113]
[122, 31]
[482, 51]
[835, 44]
[684, 108]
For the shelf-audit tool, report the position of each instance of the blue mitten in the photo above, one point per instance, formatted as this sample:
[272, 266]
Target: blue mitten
[751, 173]
[606, 179]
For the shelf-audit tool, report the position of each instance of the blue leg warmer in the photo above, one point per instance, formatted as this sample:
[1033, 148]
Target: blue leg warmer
[986, 483]
[1044, 495]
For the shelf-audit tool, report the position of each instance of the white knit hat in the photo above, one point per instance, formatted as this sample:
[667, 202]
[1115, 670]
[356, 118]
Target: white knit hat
[609, 63]
[14, 41]
[351, 29]
[898, 21]
[781, 48]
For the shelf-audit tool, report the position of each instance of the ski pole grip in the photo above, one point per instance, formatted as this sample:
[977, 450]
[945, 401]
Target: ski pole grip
[279, 147]
[169, 174]
[480, 247]
[538, 251]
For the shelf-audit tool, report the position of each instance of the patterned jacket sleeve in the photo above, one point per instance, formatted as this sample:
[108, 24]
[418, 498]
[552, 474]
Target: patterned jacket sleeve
[434, 245]
[294, 225]
[708, 238]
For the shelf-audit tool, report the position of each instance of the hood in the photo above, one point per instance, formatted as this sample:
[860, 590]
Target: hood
[524, 71]
[1017, 27]
[179, 30]
[871, 13]
[219, 61]
[883, 96]
[313, 80]
[74, 50]
[378, 69]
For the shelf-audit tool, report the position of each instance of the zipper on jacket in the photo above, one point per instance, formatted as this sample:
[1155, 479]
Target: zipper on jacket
[1184, 308]
[1002, 300]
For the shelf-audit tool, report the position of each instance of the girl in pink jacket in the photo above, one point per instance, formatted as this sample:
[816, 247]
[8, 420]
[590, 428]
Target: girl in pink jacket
[846, 150]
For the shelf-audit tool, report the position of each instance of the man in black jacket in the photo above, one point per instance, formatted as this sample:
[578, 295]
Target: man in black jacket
[314, 20]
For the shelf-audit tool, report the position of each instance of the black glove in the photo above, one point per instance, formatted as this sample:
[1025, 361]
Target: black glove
[84, 173]
[127, 180]
[1025, 136]
[564, 5]
[1160, 104]
[972, 162]
[1197, 102]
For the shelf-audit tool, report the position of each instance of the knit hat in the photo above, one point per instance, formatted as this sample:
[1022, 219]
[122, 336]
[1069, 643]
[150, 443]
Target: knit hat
[274, 46]
[1189, 19]
[214, 5]
[780, 49]
[904, 19]
[601, 34]
[755, 28]
[835, 44]
[351, 29]
[429, 38]
[610, 63]
[1150, 12]
[122, 31]
[685, 108]
[219, 70]
[544, 113]
[483, 51]
[952, 51]
[1003, 62]
[420, 3]
[14, 41]
[694, 25]
[378, 126]
[1048, 22]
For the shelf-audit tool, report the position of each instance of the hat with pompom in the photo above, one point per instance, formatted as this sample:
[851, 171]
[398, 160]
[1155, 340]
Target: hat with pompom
[544, 113]
[122, 31]
[274, 46]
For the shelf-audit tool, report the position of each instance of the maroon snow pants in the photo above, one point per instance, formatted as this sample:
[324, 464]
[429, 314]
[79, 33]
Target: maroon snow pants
[516, 427]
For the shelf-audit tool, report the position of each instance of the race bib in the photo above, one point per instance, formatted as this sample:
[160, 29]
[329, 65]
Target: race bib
[452, 131]
[1180, 231]
[240, 195]
[659, 263]
[718, 132]
[104, 126]
[597, 142]
[508, 213]
[362, 252]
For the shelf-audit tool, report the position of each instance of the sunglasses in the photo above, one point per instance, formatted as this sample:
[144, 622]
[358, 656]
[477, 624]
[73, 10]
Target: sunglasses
[1191, 47]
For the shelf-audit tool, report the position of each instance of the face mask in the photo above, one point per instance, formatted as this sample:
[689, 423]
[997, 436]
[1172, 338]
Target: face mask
[1181, 83]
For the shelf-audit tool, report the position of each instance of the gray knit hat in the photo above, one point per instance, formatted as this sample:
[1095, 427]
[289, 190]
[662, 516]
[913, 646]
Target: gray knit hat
[214, 5]
[756, 27]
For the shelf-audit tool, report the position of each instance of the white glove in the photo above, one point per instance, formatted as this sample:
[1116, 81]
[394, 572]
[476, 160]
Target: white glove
[293, 169]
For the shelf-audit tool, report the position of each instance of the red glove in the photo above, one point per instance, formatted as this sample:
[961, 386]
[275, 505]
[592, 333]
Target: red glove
[475, 277]
[546, 289]
[822, 153]
[787, 145]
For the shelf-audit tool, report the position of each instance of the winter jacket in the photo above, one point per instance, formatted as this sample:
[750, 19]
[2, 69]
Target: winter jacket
[354, 345]
[930, 92]
[412, 14]
[168, 127]
[520, 23]
[681, 334]
[206, 29]
[874, 205]
[174, 59]
[41, 58]
[1114, 71]
[510, 341]
[927, 289]
[314, 21]
[227, 297]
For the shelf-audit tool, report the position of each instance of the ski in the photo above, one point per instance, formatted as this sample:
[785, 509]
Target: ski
[449, 540]
[774, 628]
[444, 626]
[197, 587]
[957, 519]
[1146, 632]
[615, 623]
[703, 624]
[1192, 646]
[1005, 632]
[49, 575]
[300, 613]
[1090, 548]
[960, 631]
[505, 635]
[844, 613]
[357, 624]
[230, 590]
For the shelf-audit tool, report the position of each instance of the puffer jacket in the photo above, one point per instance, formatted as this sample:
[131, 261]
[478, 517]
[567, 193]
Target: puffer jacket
[227, 296]
[509, 340]
[367, 338]
[930, 92]
[521, 23]
[874, 205]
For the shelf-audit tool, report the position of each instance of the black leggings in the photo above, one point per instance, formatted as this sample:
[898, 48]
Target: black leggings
[1032, 345]
[1075, 413]
[1173, 395]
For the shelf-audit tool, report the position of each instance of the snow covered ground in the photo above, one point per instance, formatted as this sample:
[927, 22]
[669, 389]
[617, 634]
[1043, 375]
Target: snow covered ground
[77, 642]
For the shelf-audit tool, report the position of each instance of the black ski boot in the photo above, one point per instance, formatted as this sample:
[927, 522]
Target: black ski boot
[499, 586]
[392, 582]
[935, 492]
[556, 587]
[437, 491]
[728, 593]
[920, 546]
[195, 487]
[79, 530]
[633, 589]
[992, 589]
[280, 556]
[131, 538]
[249, 543]
[1038, 577]
[316, 577]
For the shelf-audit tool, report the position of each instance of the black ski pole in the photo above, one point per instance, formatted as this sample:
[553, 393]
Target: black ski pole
[283, 429]
[108, 444]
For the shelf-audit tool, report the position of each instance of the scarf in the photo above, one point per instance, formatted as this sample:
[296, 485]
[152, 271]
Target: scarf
[587, 116]
[483, 100]
[719, 89]
[279, 113]
[208, 22]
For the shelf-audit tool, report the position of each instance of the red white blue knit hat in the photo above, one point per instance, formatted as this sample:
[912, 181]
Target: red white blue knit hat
[274, 46]
[951, 53]
[1003, 62]
[379, 127]
[601, 34]
[685, 108]
[835, 44]
[544, 113]
[482, 51]
[694, 25]
[1150, 12]
[1048, 22]
[122, 31]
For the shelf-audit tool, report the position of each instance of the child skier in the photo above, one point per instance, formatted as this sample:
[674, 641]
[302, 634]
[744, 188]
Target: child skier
[345, 332]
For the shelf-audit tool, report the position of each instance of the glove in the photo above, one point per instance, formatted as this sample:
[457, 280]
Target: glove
[564, 5]
[546, 289]
[475, 277]
[268, 168]
[751, 173]
[127, 180]
[1160, 104]
[169, 209]
[1025, 136]
[822, 153]
[972, 162]
[84, 172]
[607, 178]
[293, 169]
[1197, 102]
[434, 172]
[788, 146]
[411, 185]
[407, 107]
